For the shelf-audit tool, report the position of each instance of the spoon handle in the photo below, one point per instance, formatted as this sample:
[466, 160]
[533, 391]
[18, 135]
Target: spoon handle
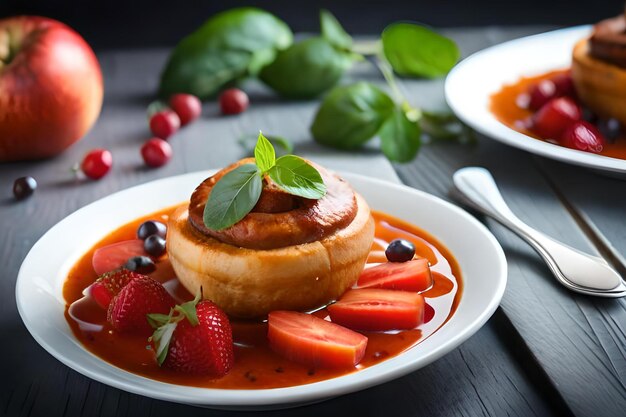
[573, 268]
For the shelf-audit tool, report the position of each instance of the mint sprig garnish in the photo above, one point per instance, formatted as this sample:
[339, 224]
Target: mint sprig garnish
[237, 192]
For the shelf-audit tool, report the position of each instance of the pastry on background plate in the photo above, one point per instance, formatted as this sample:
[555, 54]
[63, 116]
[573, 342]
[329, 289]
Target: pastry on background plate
[599, 69]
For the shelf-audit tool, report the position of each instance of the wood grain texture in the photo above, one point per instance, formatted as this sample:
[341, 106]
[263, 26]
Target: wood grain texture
[510, 367]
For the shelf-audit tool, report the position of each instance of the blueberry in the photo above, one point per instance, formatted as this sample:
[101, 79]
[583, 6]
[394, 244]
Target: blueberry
[154, 245]
[400, 250]
[24, 187]
[140, 264]
[151, 227]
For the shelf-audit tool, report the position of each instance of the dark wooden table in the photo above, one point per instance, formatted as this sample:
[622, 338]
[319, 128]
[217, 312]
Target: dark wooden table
[546, 351]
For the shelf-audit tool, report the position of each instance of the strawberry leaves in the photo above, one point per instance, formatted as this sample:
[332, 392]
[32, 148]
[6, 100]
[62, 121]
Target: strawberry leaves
[165, 325]
[237, 192]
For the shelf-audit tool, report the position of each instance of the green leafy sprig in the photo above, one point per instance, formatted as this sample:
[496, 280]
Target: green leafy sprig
[243, 42]
[165, 324]
[237, 192]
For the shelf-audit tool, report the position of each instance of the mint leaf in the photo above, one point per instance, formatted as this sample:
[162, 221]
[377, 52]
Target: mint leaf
[295, 176]
[417, 51]
[400, 137]
[333, 32]
[264, 154]
[232, 197]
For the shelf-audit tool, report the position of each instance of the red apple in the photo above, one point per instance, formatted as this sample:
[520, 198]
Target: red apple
[50, 88]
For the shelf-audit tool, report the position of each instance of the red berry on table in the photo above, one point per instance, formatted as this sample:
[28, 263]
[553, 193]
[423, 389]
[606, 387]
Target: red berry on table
[233, 101]
[156, 152]
[583, 136]
[201, 342]
[554, 117]
[164, 123]
[24, 187]
[141, 296]
[541, 93]
[109, 285]
[188, 107]
[97, 163]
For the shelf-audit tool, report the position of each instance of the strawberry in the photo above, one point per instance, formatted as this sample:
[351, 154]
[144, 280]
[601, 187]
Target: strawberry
[108, 285]
[141, 296]
[197, 340]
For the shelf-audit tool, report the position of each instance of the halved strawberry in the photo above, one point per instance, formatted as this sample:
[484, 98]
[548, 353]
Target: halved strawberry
[314, 341]
[141, 296]
[406, 276]
[109, 285]
[114, 256]
[378, 310]
[197, 340]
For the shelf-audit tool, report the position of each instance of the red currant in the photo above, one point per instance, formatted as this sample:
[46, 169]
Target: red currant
[97, 163]
[554, 117]
[583, 136]
[156, 152]
[164, 124]
[541, 93]
[564, 85]
[233, 101]
[186, 106]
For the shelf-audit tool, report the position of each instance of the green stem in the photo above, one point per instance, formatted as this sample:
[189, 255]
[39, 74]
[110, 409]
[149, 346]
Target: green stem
[366, 47]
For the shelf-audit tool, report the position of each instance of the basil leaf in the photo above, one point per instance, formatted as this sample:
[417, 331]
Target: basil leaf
[226, 48]
[306, 69]
[232, 197]
[264, 154]
[295, 176]
[349, 116]
[400, 137]
[333, 32]
[281, 144]
[417, 51]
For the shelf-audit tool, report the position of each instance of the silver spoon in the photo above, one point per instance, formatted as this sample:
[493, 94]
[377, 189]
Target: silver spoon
[574, 269]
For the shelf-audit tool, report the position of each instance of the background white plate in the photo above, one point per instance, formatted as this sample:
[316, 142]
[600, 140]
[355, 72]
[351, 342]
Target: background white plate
[470, 84]
[41, 305]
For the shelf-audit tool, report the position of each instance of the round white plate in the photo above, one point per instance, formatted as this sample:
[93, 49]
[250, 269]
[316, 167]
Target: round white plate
[470, 84]
[41, 305]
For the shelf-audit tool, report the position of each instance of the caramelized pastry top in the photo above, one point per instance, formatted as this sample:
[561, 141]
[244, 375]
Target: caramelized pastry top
[280, 219]
[608, 41]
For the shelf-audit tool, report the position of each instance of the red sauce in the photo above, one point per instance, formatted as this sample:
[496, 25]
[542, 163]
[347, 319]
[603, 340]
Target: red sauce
[256, 365]
[504, 106]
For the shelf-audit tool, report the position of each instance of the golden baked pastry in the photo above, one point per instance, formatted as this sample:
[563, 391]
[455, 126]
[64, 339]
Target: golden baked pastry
[289, 253]
[599, 69]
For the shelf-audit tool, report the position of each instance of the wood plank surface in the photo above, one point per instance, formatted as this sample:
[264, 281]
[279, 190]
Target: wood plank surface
[543, 353]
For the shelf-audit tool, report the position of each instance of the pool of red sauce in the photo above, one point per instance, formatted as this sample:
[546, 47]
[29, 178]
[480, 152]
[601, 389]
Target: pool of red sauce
[504, 106]
[256, 365]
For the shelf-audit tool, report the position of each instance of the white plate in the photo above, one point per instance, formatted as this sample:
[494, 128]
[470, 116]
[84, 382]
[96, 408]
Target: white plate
[41, 305]
[470, 84]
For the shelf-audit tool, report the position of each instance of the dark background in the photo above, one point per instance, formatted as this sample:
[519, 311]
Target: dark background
[139, 23]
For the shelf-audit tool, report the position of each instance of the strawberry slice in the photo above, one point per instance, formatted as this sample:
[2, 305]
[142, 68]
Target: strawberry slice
[313, 341]
[406, 276]
[378, 310]
[109, 285]
[114, 256]
[141, 296]
[198, 340]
